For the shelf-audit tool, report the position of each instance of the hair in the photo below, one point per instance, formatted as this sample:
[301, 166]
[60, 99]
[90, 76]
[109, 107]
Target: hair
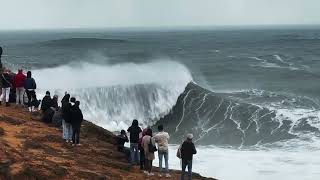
[135, 122]
[123, 132]
[73, 99]
[29, 74]
[77, 103]
[160, 127]
[149, 132]
[189, 137]
[47, 92]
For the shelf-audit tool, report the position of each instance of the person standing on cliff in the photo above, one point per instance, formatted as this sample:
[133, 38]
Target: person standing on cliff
[66, 116]
[122, 138]
[142, 158]
[187, 151]
[76, 120]
[162, 139]
[134, 131]
[18, 81]
[30, 86]
[6, 85]
[148, 144]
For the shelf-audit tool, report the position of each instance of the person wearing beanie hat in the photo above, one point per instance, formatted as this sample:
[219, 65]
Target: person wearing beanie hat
[46, 102]
[187, 151]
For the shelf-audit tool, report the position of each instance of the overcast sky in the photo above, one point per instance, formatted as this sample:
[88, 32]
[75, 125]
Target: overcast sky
[43, 14]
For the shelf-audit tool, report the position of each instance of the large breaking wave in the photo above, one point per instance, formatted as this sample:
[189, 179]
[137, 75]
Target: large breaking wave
[112, 95]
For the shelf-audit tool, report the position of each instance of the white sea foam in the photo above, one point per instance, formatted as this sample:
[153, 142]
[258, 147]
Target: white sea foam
[112, 95]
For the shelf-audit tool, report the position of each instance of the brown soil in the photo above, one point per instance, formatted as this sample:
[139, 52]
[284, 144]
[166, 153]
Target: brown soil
[30, 149]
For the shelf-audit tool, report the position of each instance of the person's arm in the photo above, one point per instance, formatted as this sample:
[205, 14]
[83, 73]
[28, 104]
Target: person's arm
[194, 151]
[35, 84]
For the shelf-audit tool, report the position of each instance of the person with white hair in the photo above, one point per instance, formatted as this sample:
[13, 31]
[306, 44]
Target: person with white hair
[187, 151]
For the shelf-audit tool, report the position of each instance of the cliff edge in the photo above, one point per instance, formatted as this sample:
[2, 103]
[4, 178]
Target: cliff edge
[31, 149]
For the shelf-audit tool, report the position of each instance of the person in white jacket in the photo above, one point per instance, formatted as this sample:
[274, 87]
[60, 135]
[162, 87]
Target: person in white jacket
[162, 139]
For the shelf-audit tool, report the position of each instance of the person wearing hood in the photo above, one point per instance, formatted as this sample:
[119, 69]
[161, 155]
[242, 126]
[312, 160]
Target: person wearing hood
[46, 102]
[18, 81]
[187, 151]
[76, 120]
[30, 86]
[134, 131]
[6, 85]
[66, 116]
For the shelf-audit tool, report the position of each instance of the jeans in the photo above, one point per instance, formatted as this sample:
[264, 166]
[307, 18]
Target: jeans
[164, 154]
[5, 94]
[186, 163]
[67, 130]
[134, 151]
[76, 134]
[19, 95]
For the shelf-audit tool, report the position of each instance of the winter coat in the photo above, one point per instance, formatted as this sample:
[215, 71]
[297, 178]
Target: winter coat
[66, 111]
[145, 145]
[30, 83]
[76, 116]
[121, 140]
[6, 80]
[187, 150]
[19, 80]
[162, 139]
[134, 133]
[46, 103]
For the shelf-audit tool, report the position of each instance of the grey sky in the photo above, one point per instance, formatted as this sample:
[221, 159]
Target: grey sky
[34, 14]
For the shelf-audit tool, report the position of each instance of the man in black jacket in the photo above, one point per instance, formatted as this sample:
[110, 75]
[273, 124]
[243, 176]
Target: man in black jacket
[121, 140]
[134, 131]
[46, 102]
[76, 120]
[187, 151]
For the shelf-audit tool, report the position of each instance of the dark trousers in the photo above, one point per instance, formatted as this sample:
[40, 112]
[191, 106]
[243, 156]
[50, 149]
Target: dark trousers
[31, 95]
[148, 165]
[186, 163]
[142, 159]
[76, 134]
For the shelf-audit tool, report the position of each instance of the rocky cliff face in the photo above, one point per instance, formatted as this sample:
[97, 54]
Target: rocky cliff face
[30, 149]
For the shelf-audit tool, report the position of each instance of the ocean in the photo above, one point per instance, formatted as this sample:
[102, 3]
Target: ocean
[250, 96]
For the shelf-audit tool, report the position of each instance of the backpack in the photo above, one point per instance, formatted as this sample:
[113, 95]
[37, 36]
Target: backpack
[179, 152]
[151, 147]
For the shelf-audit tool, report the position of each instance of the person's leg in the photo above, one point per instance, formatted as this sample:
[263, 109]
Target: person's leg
[17, 96]
[183, 169]
[3, 95]
[132, 153]
[166, 160]
[160, 156]
[29, 98]
[190, 169]
[7, 95]
[21, 95]
[137, 152]
[142, 159]
[64, 130]
[74, 136]
[78, 134]
[70, 132]
[150, 166]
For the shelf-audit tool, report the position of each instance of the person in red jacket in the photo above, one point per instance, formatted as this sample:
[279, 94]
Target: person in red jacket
[18, 82]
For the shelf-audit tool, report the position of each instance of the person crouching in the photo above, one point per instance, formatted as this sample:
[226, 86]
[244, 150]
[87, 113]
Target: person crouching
[76, 120]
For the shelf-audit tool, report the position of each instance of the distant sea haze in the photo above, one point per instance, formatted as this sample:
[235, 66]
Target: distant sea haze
[250, 97]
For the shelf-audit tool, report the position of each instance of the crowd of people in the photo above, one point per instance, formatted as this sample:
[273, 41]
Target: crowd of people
[144, 144]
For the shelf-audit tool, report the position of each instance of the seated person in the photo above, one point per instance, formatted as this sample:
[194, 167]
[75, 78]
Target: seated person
[121, 140]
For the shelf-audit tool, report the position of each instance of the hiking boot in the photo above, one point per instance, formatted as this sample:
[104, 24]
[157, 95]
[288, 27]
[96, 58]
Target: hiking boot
[7, 104]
